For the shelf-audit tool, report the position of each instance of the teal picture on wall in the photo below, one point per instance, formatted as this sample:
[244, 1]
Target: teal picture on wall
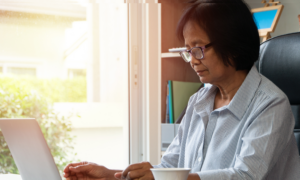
[264, 19]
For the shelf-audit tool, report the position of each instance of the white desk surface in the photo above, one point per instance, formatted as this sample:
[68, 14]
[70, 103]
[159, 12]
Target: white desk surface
[10, 177]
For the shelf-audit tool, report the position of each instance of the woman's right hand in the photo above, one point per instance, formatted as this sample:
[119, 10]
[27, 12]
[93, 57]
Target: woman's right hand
[88, 171]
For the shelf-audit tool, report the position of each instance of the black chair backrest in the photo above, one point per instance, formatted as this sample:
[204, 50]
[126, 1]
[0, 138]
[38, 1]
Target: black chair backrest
[279, 61]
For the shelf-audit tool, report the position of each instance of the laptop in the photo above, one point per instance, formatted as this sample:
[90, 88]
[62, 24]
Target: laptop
[29, 149]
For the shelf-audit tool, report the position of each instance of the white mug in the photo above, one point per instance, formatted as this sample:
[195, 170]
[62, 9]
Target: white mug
[170, 173]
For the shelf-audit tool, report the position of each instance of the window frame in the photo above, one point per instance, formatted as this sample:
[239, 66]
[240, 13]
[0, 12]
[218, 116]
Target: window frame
[144, 61]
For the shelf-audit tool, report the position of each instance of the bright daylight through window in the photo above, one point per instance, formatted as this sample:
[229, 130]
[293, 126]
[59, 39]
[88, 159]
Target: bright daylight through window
[65, 63]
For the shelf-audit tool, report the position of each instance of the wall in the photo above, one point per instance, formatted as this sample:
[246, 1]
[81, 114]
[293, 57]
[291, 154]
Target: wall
[288, 21]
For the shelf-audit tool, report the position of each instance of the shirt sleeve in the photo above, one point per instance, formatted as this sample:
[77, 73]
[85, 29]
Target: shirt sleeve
[265, 139]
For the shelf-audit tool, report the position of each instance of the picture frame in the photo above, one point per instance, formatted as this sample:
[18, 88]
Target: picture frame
[299, 20]
[266, 19]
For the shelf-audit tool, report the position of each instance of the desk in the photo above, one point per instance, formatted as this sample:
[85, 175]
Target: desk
[10, 177]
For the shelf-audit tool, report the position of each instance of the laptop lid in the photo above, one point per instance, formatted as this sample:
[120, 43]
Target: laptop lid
[29, 149]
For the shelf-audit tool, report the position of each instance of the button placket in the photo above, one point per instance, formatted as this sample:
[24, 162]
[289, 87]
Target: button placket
[198, 160]
[197, 163]
[210, 130]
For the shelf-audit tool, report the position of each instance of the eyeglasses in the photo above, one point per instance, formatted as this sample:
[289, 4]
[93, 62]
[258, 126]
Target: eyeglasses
[197, 52]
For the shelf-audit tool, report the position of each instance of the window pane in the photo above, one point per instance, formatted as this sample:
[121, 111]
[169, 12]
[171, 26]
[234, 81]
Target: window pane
[76, 73]
[22, 71]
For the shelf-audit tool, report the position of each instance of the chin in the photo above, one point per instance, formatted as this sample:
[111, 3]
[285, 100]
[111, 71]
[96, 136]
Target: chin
[204, 80]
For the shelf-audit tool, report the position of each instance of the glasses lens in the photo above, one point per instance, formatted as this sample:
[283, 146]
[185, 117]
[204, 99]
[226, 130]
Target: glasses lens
[186, 56]
[197, 53]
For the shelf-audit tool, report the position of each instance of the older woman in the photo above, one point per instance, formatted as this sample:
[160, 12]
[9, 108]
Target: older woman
[239, 128]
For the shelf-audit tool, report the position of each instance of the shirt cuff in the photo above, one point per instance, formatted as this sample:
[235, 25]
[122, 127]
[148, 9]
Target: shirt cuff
[210, 175]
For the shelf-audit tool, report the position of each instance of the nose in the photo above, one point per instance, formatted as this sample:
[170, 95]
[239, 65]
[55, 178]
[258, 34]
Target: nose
[194, 61]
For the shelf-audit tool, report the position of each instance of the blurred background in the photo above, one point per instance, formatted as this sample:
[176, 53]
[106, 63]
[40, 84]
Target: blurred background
[288, 21]
[65, 62]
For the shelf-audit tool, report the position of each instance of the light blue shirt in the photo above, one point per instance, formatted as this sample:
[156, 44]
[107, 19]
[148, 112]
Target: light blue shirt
[250, 138]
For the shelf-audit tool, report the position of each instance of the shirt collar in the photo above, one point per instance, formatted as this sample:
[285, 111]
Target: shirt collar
[205, 103]
[240, 101]
[245, 94]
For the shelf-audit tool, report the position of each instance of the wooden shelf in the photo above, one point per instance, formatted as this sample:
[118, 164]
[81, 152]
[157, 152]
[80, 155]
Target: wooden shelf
[173, 66]
[170, 55]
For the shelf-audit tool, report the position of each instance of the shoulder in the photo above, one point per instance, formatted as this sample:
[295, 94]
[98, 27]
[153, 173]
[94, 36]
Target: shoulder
[269, 97]
[269, 90]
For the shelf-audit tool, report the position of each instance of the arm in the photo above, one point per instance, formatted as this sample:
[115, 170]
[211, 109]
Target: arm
[88, 170]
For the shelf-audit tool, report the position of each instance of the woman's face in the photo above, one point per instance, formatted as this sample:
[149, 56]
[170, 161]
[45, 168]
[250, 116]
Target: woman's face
[211, 68]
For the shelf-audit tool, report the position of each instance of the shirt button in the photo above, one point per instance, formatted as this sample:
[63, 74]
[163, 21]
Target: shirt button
[199, 159]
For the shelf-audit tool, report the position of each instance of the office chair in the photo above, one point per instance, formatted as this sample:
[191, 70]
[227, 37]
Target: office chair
[279, 61]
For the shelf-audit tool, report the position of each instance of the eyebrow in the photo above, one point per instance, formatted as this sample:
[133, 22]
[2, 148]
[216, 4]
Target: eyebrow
[197, 41]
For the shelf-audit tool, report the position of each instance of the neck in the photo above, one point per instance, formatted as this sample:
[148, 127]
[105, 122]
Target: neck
[228, 87]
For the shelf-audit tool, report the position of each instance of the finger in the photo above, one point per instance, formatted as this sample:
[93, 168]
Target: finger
[131, 168]
[72, 173]
[66, 169]
[118, 175]
[146, 178]
[79, 175]
[66, 174]
[69, 174]
[80, 168]
[135, 174]
[72, 178]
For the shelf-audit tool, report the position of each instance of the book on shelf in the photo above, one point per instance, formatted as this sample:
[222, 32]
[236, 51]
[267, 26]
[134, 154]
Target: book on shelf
[167, 106]
[171, 118]
[178, 95]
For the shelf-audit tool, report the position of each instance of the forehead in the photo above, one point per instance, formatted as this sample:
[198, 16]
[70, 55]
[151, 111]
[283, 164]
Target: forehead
[193, 33]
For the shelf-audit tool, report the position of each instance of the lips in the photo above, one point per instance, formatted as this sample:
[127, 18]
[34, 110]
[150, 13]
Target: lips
[200, 72]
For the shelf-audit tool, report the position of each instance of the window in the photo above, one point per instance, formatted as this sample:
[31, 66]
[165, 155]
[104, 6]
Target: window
[21, 71]
[73, 73]
[75, 54]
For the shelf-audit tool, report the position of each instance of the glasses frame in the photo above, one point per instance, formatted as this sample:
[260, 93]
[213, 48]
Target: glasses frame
[190, 51]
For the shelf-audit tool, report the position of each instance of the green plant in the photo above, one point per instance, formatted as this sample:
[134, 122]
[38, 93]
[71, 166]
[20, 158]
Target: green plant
[54, 90]
[18, 100]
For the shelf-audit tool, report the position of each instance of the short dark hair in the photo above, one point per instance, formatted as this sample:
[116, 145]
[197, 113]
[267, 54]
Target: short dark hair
[229, 25]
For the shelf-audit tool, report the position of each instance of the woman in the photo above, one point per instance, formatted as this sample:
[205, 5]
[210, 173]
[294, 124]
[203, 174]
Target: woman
[239, 128]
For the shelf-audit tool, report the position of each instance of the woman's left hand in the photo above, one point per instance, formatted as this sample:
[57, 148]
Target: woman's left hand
[139, 171]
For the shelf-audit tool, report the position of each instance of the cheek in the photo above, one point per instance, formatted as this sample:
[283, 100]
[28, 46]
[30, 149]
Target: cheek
[215, 66]
[212, 64]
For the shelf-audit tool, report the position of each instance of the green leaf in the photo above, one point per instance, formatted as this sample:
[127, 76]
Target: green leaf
[33, 98]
